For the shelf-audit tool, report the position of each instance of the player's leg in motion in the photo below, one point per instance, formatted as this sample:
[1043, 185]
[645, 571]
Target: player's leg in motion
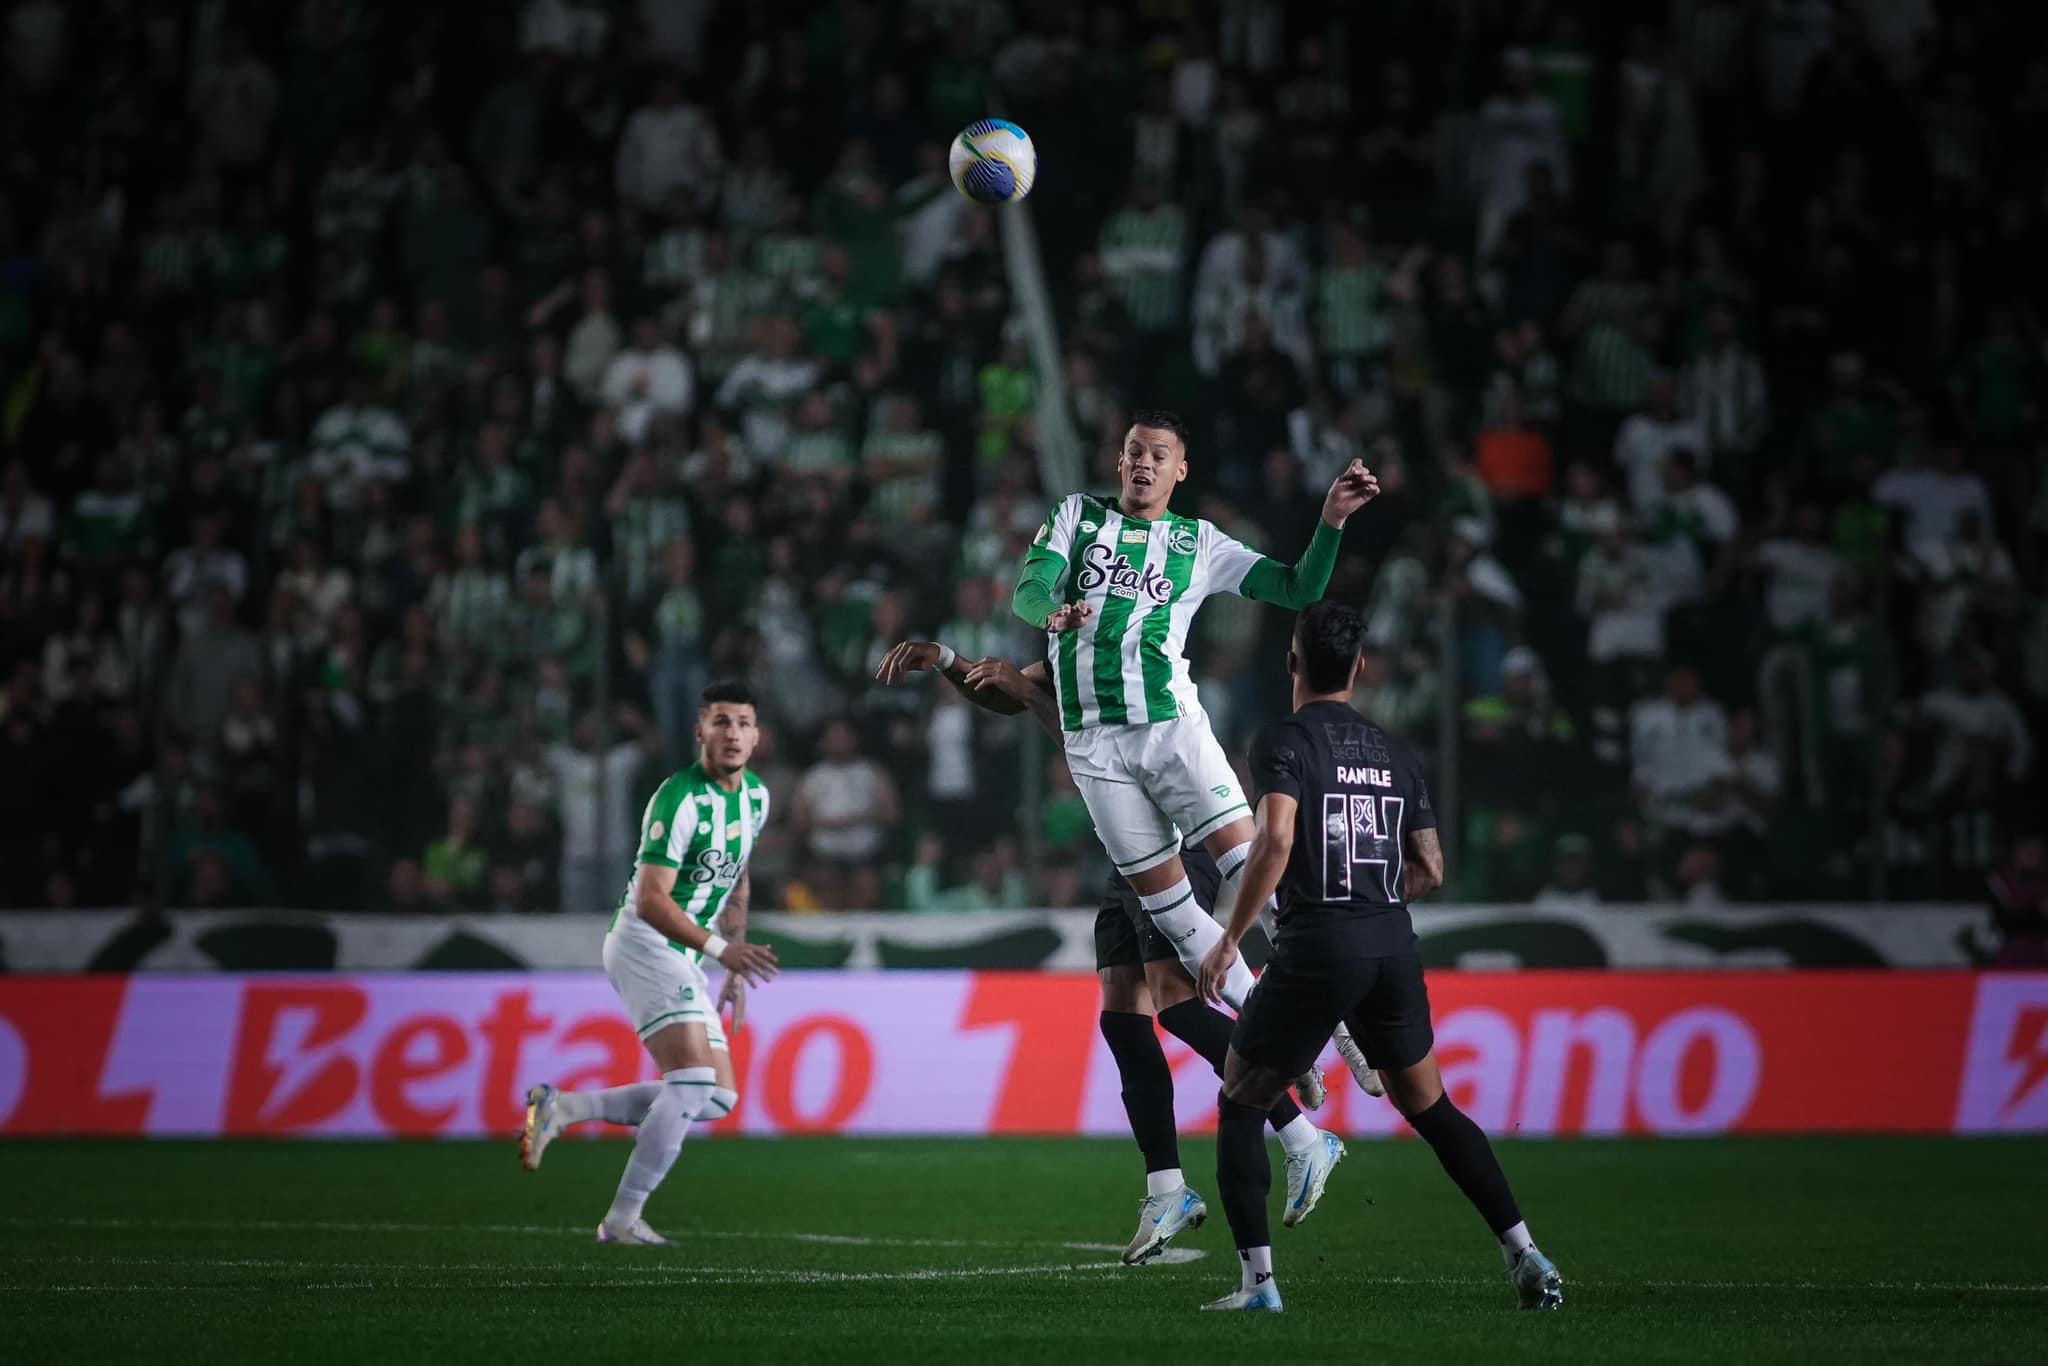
[1312, 1154]
[683, 1053]
[549, 1111]
[1244, 1178]
[1169, 1207]
[1168, 899]
[1461, 1146]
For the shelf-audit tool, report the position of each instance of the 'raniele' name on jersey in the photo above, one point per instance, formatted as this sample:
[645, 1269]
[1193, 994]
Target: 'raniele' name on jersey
[706, 834]
[1145, 580]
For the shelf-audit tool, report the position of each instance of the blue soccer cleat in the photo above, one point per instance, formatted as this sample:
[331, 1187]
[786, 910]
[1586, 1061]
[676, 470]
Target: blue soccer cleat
[1160, 1218]
[1264, 1298]
[635, 1233]
[1307, 1174]
[1537, 1284]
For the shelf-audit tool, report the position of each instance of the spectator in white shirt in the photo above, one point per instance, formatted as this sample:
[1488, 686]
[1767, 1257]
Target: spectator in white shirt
[1648, 438]
[1227, 304]
[1968, 571]
[1677, 744]
[846, 805]
[1800, 571]
[1692, 532]
[1570, 887]
[1974, 709]
[595, 801]
[647, 380]
[356, 443]
[1742, 784]
[1223, 259]
[668, 145]
[1933, 498]
[1517, 128]
[574, 28]
[1624, 620]
[205, 563]
[765, 386]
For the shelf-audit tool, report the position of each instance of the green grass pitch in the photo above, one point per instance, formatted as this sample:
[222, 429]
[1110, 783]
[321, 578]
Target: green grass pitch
[846, 1252]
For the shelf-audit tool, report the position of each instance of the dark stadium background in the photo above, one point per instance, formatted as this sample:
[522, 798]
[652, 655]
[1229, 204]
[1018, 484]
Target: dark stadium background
[406, 409]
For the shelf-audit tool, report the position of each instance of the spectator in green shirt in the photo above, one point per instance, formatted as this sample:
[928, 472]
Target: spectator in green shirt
[455, 864]
[1007, 390]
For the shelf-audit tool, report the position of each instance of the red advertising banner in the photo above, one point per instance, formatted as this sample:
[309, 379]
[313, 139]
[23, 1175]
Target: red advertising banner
[1533, 1053]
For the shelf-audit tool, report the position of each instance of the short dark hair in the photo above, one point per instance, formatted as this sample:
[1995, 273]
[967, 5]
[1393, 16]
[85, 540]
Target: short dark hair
[1161, 420]
[729, 690]
[1327, 639]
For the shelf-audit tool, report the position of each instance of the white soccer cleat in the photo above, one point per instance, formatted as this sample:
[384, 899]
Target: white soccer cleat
[636, 1232]
[1307, 1173]
[1354, 1058]
[1266, 1299]
[543, 1124]
[1160, 1219]
[1309, 1088]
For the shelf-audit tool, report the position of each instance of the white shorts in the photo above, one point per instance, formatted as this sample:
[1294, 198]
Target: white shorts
[1152, 787]
[661, 986]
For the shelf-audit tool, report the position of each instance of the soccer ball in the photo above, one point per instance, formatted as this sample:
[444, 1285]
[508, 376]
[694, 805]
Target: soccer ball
[993, 162]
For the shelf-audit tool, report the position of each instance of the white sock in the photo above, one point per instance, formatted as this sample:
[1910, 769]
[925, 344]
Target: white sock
[662, 1130]
[1515, 1242]
[1299, 1136]
[718, 1104]
[1258, 1265]
[1165, 1182]
[1231, 866]
[1193, 932]
[613, 1105]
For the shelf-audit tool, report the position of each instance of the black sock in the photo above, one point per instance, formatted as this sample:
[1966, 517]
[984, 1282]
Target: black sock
[1148, 1086]
[1244, 1177]
[1462, 1147]
[1207, 1030]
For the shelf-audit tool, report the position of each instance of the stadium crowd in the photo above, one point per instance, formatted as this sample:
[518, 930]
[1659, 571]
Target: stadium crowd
[406, 409]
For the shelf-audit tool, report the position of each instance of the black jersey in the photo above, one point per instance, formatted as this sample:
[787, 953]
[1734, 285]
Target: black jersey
[1361, 793]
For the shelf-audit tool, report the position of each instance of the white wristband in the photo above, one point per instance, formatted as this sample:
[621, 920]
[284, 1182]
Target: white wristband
[714, 947]
[947, 656]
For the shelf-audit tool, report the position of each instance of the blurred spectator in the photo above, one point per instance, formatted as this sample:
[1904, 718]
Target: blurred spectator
[648, 380]
[1570, 887]
[596, 797]
[1678, 743]
[2019, 904]
[667, 145]
[847, 810]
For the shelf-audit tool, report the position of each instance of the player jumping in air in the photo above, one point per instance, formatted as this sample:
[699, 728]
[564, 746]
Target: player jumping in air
[1116, 582]
[1346, 833]
[1143, 977]
[695, 837]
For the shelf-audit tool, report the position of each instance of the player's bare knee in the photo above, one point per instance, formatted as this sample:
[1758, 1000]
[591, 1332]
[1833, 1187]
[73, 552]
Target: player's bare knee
[1170, 872]
[1238, 832]
[1247, 1083]
[1169, 984]
[1414, 1089]
[1125, 990]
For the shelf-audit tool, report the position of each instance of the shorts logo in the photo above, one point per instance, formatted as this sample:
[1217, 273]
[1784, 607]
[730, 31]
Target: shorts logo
[686, 995]
[1221, 789]
[657, 830]
[1181, 541]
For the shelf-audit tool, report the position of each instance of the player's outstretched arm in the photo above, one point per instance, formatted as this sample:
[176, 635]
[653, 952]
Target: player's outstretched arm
[1422, 872]
[655, 903]
[1297, 585]
[1030, 686]
[1272, 846]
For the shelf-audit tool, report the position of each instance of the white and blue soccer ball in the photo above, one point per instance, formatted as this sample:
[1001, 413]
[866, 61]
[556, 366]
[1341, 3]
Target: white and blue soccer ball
[993, 162]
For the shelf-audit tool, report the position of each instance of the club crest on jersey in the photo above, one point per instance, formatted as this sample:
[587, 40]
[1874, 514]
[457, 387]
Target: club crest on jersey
[1181, 540]
[1102, 565]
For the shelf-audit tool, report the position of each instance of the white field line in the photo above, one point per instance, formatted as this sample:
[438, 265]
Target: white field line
[657, 1273]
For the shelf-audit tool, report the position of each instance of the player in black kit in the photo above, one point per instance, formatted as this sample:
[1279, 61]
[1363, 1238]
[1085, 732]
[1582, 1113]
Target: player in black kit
[1347, 838]
[1142, 979]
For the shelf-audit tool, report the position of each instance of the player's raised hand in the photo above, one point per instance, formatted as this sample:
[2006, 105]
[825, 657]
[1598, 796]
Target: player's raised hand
[1072, 617]
[1216, 965]
[906, 658]
[1001, 676]
[1351, 490]
[753, 963]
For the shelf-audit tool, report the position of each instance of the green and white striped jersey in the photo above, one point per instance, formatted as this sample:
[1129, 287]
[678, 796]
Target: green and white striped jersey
[1127, 665]
[706, 834]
